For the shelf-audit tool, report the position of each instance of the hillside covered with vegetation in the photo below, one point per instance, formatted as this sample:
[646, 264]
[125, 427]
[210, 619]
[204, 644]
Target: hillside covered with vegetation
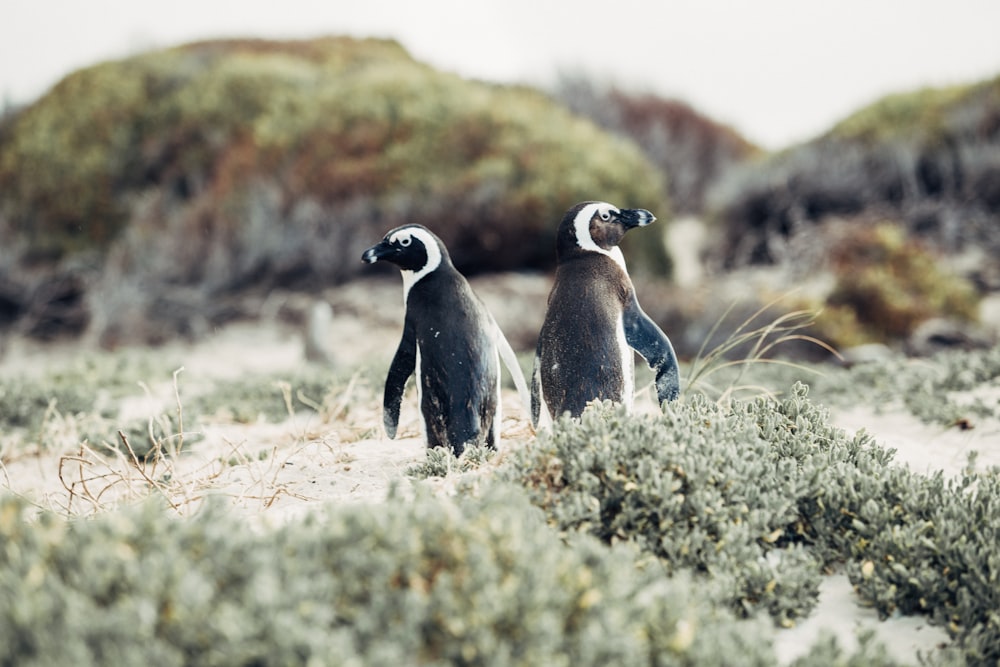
[173, 191]
[928, 159]
[693, 150]
[197, 173]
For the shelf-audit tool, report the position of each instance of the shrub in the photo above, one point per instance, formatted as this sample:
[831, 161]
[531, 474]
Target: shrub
[759, 497]
[673, 486]
[422, 581]
[886, 285]
[935, 390]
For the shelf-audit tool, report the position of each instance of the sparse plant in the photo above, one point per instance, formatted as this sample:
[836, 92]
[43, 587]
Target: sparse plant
[928, 158]
[720, 371]
[441, 461]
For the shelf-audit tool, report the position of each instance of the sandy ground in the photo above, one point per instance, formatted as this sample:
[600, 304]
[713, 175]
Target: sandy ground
[273, 471]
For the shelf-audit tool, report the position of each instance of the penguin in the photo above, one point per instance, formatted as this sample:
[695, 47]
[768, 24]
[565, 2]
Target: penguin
[593, 320]
[450, 340]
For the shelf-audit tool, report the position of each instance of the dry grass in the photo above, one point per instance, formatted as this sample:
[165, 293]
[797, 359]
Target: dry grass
[719, 373]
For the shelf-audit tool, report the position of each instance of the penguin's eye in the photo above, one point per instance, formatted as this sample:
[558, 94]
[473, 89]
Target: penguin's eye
[605, 216]
[405, 241]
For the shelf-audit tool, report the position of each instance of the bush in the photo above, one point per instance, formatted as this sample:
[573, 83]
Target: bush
[939, 390]
[424, 581]
[675, 486]
[886, 285]
[758, 498]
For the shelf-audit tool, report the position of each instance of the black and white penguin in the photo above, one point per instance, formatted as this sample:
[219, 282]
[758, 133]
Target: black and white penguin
[452, 342]
[593, 320]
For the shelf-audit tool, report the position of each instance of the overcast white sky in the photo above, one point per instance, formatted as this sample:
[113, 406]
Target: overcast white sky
[779, 71]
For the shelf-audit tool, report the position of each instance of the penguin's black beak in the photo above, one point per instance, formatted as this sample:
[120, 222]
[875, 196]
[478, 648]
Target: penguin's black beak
[635, 217]
[376, 252]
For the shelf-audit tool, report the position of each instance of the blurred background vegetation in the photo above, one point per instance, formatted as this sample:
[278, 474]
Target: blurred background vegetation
[167, 193]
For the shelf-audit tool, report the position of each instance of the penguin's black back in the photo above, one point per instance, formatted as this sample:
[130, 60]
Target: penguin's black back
[458, 370]
[579, 353]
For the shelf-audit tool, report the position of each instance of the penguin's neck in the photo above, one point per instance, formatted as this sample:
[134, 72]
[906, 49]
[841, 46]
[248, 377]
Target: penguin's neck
[614, 254]
[411, 278]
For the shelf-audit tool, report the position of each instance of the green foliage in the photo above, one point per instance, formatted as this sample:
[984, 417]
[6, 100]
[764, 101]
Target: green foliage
[425, 581]
[89, 389]
[440, 462]
[826, 652]
[274, 397]
[902, 114]
[24, 402]
[329, 119]
[759, 497]
[943, 562]
[673, 485]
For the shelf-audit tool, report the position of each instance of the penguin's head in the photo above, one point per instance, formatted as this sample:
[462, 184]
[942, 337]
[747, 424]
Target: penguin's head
[413, 248]
[595, 226]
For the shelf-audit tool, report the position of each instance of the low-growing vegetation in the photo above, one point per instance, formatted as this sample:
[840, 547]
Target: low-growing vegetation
[669, 538]
[952, 389]
[412, 581]
[761, 497]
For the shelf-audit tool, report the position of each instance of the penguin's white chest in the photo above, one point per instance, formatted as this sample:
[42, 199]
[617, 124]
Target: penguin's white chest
[418, 376]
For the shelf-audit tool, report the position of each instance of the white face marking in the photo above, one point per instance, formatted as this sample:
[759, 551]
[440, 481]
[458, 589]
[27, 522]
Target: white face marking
[405, 237]
[581, 225]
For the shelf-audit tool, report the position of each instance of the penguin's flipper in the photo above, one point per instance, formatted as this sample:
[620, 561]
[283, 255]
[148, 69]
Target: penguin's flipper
[536, 391]
[646, 338]
[513, 367]
[402, 367]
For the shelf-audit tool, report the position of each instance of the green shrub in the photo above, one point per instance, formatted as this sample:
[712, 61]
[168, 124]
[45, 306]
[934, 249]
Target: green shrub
[676, 487]
[759, 497]
[424, 581]
[440, 462]
[826, 652]
[274, 397]
[24, 402]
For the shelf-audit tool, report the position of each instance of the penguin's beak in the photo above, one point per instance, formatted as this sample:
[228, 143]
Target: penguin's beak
[636, 217]
[375, 253]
